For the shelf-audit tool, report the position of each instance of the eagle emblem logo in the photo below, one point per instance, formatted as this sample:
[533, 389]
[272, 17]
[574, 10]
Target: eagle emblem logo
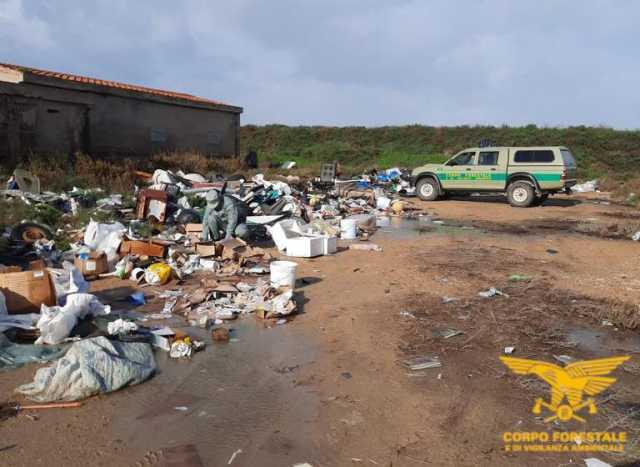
[568, 384]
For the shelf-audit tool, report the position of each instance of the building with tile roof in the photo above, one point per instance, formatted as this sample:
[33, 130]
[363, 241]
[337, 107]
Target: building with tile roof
[52, 112]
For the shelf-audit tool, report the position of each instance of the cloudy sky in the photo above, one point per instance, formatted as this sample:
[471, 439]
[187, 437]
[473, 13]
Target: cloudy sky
[353, 62]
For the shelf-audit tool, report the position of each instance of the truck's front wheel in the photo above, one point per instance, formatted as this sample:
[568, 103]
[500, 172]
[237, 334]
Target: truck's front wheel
[427, 189]
[521, 194]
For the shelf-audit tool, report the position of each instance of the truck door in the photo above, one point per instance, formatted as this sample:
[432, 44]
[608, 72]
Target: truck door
[492, 168]
[458, 172]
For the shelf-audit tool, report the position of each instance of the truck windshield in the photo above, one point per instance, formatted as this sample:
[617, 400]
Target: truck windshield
[567, 157]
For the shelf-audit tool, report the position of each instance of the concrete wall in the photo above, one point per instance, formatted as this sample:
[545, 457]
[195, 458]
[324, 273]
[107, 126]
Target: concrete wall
[37, 115]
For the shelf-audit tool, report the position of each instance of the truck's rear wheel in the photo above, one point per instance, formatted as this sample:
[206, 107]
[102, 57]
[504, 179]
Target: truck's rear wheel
[521, 194]
[427, 189]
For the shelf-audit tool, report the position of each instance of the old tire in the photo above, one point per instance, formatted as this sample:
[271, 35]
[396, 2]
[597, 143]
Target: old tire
[427, 189]
[521, 194]
[30, 232]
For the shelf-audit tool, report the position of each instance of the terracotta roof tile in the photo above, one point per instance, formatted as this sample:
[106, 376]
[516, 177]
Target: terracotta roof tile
[111, 84]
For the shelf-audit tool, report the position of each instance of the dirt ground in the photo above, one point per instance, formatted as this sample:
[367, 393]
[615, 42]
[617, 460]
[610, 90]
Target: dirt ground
[329, 387]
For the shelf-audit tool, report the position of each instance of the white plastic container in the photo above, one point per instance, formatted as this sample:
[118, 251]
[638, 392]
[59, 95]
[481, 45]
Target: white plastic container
[283, 231]
[283, 273]
[305, 247]
[348, 229]
[329, 245]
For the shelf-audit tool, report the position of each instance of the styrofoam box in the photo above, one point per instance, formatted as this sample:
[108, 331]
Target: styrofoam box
[329, 245]
[305, 247]
[281, 233]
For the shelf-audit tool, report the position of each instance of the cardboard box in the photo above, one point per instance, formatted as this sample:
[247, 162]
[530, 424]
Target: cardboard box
[232, 248]
[208, 249]
[193, 228]
[25, 291]
[93, 264]
[154, 248]
[5, 269]
[194, 232]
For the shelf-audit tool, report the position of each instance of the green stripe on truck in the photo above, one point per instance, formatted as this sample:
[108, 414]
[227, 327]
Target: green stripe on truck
[490, 176]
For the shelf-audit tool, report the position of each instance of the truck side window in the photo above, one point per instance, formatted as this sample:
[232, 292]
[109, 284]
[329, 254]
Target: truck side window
[488, 158]
[466, 158]
[539, 156]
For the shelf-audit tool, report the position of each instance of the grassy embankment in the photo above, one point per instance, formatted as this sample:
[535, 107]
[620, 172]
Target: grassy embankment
[610, 155]
[613, 156]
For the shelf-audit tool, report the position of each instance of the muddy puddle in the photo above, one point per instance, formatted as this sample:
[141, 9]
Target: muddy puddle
[592, 227]
[241, 397]
[406, 228]
[603, 341]
[399, 228]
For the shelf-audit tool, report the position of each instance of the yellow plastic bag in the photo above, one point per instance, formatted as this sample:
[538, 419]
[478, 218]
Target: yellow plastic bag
[398, 207]
[157, 274]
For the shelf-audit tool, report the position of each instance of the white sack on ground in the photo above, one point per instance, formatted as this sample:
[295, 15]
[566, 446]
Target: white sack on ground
[164, 176]
[586, 187]
[68, 281]
[92, 366]
[56, 323]
[104, 237]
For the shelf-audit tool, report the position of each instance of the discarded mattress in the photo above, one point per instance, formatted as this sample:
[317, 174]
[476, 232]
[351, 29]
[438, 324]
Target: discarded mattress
[90, 367]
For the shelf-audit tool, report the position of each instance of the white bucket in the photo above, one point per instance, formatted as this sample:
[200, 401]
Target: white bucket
[283, 273]
[348, 229]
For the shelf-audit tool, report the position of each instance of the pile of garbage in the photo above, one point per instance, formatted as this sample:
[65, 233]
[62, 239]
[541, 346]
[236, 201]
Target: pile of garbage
[173, 227]
[169, 216]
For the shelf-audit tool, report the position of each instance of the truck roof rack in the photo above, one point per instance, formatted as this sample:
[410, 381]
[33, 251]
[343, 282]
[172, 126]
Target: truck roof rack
[487, 143]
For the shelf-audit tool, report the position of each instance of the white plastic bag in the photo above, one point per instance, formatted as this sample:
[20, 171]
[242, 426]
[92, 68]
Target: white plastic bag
[164, 176]
[586, 187]
[121, 327]
[104, 237]
[69, 281]
[192, 177]
[56, 323]
[383, 202]
[55, 326]
[92, 366]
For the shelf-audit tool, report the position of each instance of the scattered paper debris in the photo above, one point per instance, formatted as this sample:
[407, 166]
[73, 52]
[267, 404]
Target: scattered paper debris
[422, 363]
[492, 292]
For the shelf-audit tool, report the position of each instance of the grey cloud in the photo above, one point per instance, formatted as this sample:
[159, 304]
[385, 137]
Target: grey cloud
[357, 62]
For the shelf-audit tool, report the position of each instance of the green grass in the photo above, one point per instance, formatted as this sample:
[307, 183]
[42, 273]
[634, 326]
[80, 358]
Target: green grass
[611, 155]
[400, 159]
[601, 152]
